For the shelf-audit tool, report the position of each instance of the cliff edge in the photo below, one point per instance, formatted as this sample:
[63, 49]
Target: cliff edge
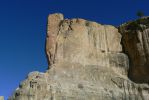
[86, 62]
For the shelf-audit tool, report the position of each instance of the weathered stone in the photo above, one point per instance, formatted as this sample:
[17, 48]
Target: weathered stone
[85, 63]
[80, 41]
[136, 45]
[52, 32]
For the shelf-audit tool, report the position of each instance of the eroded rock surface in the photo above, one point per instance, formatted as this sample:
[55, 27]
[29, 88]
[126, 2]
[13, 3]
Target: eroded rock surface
[85, 63]
[136, 45]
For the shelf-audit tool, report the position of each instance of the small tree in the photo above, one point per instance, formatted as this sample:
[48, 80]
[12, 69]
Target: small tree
[140, 14]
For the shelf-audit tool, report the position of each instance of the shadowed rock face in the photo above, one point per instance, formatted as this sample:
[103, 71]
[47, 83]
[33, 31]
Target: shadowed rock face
[136, 45]
[85, 63]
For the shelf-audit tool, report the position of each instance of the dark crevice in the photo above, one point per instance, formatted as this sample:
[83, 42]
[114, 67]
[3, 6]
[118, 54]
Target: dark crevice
[126, 52]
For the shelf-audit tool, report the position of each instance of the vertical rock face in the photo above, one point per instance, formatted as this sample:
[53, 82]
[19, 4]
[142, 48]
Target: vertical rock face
[81, 41]
[85, 63]
[52, 32]
[136, 45]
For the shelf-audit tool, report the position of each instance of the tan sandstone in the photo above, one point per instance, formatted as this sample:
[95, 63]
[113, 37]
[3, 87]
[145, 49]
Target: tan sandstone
[86, 62]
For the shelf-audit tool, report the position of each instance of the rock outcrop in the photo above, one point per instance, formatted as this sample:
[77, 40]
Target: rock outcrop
[136, 44]
[86, 62]
[1, 98]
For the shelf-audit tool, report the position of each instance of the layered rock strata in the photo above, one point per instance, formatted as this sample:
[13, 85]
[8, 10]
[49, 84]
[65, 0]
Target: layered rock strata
[85, 63]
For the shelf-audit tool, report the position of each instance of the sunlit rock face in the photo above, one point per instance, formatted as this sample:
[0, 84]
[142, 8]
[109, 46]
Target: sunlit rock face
[136, 45]
[81, 41]
[85, 63]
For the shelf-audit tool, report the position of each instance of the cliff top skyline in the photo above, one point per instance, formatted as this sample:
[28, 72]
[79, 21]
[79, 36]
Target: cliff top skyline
[23, 30]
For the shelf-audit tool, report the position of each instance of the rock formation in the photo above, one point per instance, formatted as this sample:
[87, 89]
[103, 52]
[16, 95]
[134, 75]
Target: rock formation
[1, 98]
[136, 44]
[86, 62]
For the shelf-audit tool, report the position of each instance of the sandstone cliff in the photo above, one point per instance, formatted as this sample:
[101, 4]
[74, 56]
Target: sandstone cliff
[136, 44]
[86, 62]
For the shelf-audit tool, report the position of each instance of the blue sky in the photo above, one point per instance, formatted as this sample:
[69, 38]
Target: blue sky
[23, 30]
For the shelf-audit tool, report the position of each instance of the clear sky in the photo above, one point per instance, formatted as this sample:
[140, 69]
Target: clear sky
[23, 30]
